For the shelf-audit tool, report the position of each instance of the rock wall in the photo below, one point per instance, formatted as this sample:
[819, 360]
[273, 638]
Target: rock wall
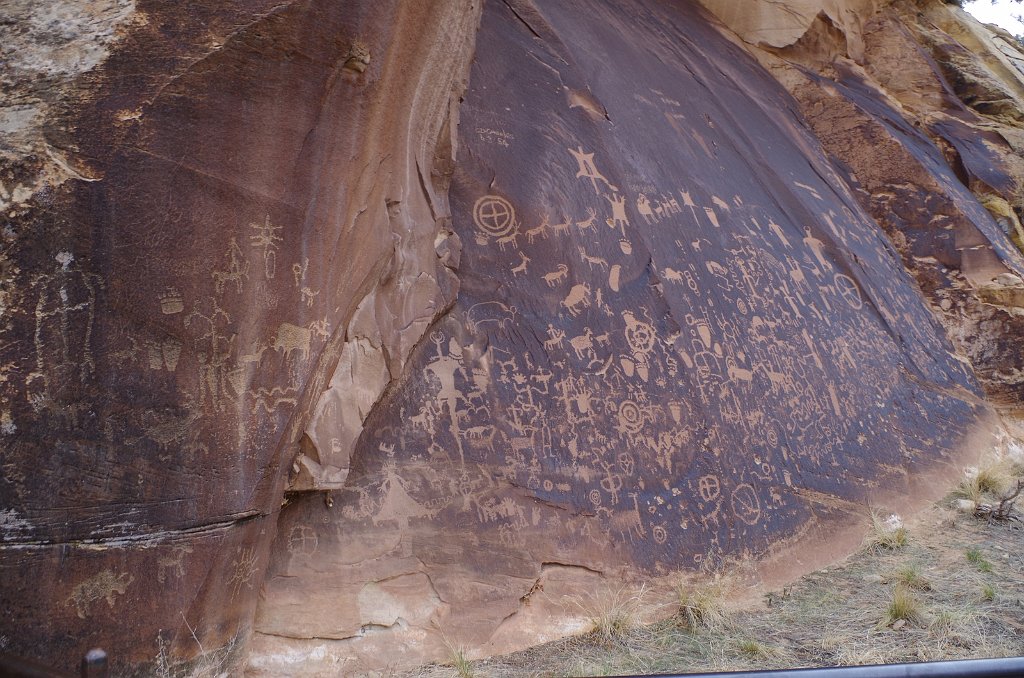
[315, 360]
[207, 236]
[680, 337]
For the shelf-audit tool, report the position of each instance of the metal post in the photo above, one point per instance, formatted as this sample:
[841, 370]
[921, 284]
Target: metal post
[94, 664]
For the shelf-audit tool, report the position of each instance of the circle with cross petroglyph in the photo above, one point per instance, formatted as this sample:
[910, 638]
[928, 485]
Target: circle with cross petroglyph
[494, 215]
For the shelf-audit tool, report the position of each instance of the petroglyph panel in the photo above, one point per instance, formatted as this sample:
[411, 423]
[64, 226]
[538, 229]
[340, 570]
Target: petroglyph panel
[677, 331]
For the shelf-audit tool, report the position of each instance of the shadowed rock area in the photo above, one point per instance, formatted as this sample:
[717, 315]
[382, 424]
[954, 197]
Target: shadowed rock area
[337, 335]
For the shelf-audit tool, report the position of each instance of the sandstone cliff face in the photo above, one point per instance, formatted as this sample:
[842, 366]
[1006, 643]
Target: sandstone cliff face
[238, 213]
[316, 359]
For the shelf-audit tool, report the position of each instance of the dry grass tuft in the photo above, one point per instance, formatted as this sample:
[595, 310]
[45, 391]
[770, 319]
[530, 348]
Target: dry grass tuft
[975, 556]
[703, 608]
[755, 650]
[988, 482]
[904, 606]
[458, 661]
[886, 533]
[614, 615]
[911, 577]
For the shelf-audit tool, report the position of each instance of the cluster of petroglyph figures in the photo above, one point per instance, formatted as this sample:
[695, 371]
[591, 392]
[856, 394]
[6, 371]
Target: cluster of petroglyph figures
[719, 368]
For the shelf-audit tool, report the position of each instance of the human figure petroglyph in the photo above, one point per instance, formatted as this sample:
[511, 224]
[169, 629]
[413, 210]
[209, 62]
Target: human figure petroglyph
[619, 219]
[667, 206]
[445, 366]
[65, 314]
[299, 271]
[396, 503]
[244, 568]
[586, 169]
[319, 328]
[559, 275]
[236, 269]
[213, 350]
[556, 336]
[267, 239]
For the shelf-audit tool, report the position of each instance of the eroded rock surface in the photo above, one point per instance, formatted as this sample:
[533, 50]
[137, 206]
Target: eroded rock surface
[255, 215]
[312, 362]
[679, 336]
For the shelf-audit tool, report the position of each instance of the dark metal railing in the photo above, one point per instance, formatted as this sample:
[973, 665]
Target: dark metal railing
[1008, 667]
[94, 665]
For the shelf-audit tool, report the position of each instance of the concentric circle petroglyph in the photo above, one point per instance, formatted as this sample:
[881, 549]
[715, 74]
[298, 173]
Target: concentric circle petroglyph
[631, 417]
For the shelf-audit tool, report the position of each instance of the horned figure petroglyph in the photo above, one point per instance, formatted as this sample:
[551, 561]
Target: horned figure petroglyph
[557, 276]
[643, 206]
[579, 296]
[593, 261]
[563, 227]
[540, 231]
[542, 377]
[291, 338]
[104, 586]
[589, 221]
[481, 436]
[629, 523]
[583, 345]
[521, 268]
[556, 338]
[511, 239]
